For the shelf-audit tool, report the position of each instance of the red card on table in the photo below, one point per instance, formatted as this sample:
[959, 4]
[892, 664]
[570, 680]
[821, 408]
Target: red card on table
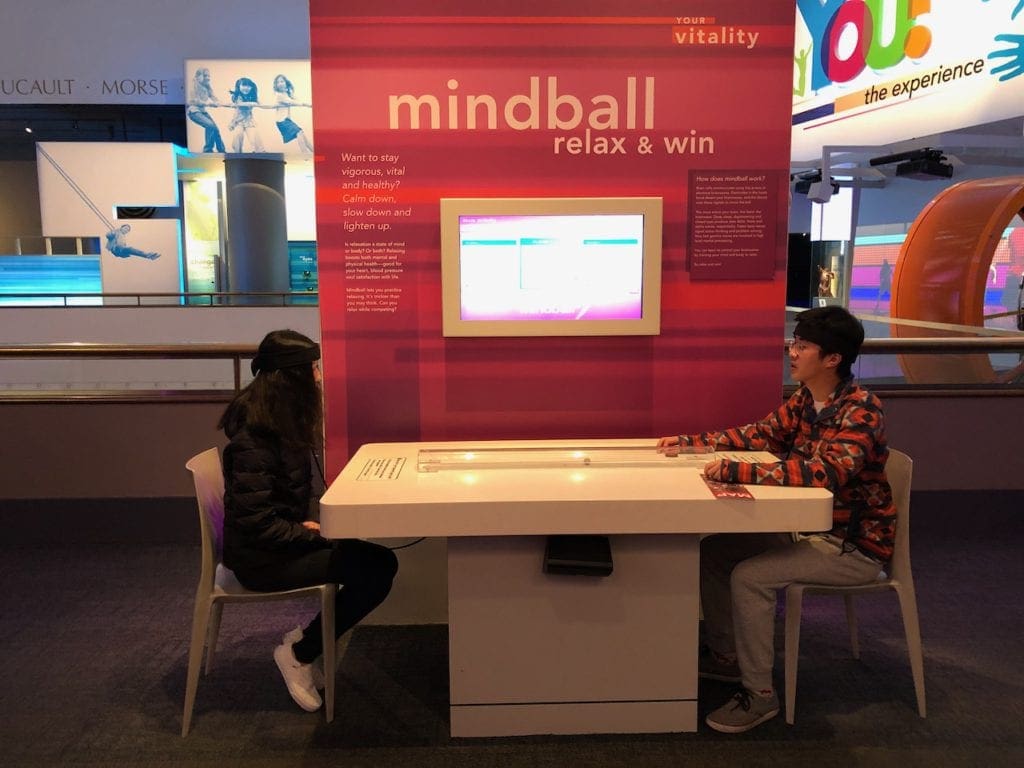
[728, 490]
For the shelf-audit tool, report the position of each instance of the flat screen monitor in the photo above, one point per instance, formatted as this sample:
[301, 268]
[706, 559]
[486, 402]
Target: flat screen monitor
[551, 266]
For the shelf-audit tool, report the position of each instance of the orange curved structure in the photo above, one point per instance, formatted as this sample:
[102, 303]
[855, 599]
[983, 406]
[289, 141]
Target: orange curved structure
[942, 268]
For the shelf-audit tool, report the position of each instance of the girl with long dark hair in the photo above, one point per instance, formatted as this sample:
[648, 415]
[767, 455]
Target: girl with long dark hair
[245, 97]
[271, 539]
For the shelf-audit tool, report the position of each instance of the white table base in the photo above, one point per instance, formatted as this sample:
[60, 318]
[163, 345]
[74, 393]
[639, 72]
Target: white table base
[536, 653]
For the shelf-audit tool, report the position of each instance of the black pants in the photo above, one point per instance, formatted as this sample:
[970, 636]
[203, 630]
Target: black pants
[364, 571]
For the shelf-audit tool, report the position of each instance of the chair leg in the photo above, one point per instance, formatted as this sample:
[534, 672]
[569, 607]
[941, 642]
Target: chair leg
[200, 620]
[330, 666]
[908, 607]
[212, 633]
[851, 622]
[794, 605]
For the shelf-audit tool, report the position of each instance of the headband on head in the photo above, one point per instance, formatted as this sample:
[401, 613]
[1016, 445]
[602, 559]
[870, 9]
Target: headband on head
[286, 358]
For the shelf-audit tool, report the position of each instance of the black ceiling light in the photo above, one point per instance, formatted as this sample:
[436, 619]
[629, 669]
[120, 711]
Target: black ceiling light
[812, 184]
[923, 164]
[802, 181]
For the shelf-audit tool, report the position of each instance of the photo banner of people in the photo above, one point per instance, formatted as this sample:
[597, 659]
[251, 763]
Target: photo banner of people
[249, 105]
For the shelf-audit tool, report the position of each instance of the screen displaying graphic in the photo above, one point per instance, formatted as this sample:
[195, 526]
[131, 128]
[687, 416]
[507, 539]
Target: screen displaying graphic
[551, 267]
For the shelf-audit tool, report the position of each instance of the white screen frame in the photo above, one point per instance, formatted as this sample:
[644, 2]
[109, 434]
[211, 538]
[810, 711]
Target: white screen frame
[648, 324]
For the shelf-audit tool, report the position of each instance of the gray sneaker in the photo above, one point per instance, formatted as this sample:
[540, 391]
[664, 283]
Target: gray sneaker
[743, 711]
[712, 666]
[291, 638]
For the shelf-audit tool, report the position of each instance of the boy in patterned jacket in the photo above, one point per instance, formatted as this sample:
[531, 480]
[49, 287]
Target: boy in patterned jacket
[829, 434]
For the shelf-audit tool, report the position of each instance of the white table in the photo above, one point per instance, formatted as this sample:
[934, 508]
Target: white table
[532, 652]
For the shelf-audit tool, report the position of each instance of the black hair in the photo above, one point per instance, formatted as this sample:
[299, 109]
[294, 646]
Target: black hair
[835, 330]
[284, 398]
[238, 96]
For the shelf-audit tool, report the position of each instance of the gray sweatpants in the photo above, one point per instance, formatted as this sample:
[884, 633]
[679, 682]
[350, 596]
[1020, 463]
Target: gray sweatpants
[739, 576]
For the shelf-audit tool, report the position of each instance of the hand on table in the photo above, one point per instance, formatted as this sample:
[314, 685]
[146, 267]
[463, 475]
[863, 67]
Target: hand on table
[669, 445]
[714, 470]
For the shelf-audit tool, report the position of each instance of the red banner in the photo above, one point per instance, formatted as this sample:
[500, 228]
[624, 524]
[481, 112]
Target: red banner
[437, 100]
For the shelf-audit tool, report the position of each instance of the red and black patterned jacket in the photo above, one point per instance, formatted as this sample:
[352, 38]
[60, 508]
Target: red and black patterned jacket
[843, 449]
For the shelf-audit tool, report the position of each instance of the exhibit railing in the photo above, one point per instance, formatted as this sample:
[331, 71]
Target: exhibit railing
[917, 357]
[124, 372]
[891, 367]
[40, 271]
[169, 299]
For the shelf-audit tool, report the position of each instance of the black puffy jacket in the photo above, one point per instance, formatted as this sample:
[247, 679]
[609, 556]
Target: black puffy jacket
[267, 489]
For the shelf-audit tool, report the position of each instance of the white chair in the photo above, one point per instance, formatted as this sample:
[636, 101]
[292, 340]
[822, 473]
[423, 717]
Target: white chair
[898, 470]
[218, 585]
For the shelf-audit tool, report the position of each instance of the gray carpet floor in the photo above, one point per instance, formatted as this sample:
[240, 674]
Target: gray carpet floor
[95, 641]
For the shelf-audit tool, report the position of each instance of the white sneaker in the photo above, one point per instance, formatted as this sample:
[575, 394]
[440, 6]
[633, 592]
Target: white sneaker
[291, 638]
[298, 677]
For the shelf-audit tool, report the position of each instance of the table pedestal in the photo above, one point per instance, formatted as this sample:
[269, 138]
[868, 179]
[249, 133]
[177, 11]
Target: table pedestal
[536, 653]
